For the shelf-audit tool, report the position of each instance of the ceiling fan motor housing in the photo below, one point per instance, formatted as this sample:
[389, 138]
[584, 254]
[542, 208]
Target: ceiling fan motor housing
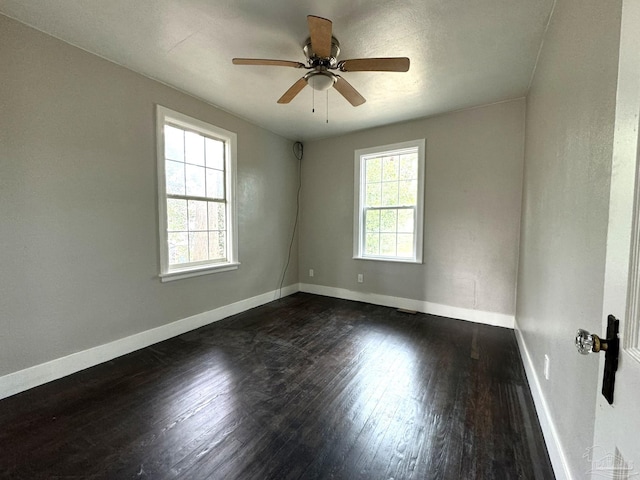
[315, 61]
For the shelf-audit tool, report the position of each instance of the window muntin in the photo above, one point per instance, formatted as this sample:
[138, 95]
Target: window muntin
[196, 172]
[388, 211]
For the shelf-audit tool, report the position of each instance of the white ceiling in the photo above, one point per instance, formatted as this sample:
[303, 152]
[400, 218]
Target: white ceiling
[463, 52]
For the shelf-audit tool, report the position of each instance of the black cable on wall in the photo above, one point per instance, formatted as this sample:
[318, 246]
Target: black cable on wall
[298, 152]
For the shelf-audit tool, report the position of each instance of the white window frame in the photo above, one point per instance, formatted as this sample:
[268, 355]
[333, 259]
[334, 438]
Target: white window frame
[167, 272]
[359, 229]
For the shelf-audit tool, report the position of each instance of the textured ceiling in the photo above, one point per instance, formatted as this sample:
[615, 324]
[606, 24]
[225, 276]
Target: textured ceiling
[463, 52]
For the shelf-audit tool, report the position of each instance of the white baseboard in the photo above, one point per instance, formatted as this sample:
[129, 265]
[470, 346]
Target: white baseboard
[22, 380]
[554, 446]
[478, 316]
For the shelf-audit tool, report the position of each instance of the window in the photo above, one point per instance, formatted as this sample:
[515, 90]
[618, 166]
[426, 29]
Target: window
[196, 187]
[389, 192]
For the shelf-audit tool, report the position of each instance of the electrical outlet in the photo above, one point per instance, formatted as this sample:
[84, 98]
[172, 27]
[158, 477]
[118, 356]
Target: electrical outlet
[360, 278]
[546, 367]
[311, 272]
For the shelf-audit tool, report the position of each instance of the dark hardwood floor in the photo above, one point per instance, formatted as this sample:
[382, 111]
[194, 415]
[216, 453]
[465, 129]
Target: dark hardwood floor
[305, 387]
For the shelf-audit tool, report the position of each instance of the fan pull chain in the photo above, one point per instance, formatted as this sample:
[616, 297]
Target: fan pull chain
[313, 98]
[327, 105]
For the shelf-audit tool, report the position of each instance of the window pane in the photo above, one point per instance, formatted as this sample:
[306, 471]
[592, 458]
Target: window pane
[174, 172]
[215, 183]
[390, 168]
[408, 192]
[388, 220]
[215, 154]
[195, 181]
[387, 198]
[217, 246]
[409, 166]
[373, 221]
[405, 245]
[372, 244]
[388, 244]
[405, 220]
[178, 248]
[194, 148]
[173, 143]
[196, 196]
[390, 194]
[198, 246]
[374, 195]
[374, 170]
[197, 215]
[176, 215]
[217, 216]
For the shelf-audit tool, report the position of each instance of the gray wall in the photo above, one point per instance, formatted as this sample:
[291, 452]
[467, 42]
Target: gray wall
[472, 210]
[78, 203]
[569, 141]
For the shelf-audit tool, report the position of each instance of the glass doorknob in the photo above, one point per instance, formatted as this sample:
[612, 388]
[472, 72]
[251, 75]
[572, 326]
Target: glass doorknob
[587, 342]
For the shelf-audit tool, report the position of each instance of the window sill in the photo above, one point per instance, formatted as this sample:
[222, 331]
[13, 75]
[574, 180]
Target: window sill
[391, 259]
[197, 271]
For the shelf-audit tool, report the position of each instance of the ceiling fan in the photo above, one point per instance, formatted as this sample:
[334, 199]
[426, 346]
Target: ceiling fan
[322, 50]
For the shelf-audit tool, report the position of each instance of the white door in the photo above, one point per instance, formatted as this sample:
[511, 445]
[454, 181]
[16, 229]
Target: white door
[616, 446]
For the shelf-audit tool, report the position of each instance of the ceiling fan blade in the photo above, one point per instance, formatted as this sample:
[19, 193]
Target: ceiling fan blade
[293, 91]
[264, 61]
[320, 33]
[348, 92]
[395, 64]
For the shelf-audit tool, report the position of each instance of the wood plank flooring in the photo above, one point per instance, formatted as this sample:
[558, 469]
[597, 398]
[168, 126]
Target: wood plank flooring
[306, 387]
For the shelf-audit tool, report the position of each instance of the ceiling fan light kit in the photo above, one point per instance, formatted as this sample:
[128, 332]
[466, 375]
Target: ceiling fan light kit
[319, 80]
[322, 50]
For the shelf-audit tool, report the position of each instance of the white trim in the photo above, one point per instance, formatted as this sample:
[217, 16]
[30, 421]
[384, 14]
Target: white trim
[22, 380]
[388, 259]
[631, 335]
[359, 199]
[195, 272]
[477, 316]
[549, 431]
[167, 273]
